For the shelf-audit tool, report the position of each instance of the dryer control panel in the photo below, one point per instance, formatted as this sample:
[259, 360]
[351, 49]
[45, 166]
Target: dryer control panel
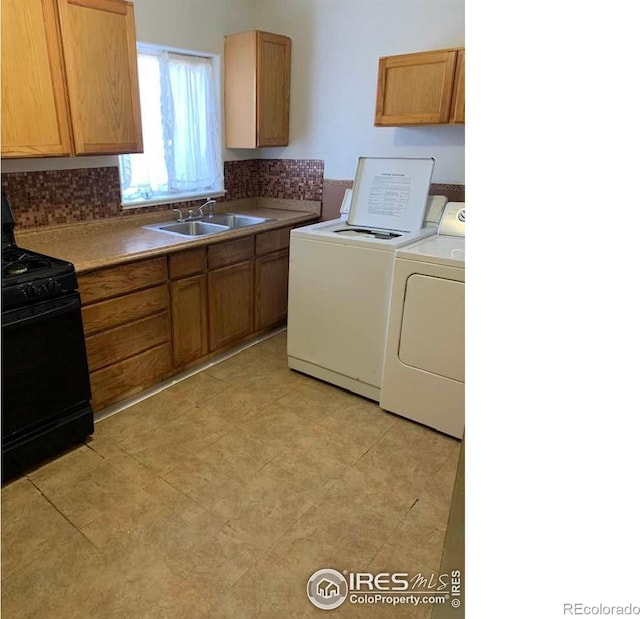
[452, 222]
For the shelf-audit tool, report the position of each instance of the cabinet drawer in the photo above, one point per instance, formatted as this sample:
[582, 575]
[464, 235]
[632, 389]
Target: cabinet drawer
[128, 308]
[187, 263]
[231, 252]
[125, 379]
[266, 242]
[122, 342]
[118, 280]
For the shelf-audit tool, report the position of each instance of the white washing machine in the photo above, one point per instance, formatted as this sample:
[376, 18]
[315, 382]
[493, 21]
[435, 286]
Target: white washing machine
[423, 375]
[340, 276]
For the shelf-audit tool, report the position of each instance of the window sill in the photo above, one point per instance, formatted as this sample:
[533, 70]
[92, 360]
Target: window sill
[172, 199]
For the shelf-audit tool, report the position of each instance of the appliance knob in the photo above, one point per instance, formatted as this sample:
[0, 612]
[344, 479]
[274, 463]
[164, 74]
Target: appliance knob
[461, 215]
[53, 286]
[30, 291]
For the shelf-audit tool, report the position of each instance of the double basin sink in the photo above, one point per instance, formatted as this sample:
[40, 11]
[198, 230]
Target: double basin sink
[213, 224]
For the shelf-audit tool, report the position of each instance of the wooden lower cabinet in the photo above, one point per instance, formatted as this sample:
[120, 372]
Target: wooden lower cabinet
[272, 280]
[188, 288]
[189, 319]
[148, 320]
[125, 315]
[131, 376]
[127, 340]
[230, 304]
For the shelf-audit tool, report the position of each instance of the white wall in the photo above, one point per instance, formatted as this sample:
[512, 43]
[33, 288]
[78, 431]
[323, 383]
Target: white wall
[198, 25]
[335, 49]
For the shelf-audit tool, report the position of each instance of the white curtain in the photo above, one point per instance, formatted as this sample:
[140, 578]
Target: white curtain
[180, 102]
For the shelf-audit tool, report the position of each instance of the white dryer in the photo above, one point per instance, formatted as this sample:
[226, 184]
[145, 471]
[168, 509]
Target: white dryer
[340, 275]
[423, 375]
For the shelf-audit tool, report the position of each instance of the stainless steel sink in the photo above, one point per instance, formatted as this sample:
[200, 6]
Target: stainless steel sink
[189, 228]
[236, 221]
[210, 225]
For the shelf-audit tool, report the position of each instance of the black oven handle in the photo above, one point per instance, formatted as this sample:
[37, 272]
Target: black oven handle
[30, 314]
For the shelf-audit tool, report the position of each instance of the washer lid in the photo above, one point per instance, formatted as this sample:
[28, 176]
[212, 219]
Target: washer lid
[390, 193]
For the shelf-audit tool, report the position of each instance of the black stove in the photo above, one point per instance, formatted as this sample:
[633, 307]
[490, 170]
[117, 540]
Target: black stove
[45, 377]
[28, 276]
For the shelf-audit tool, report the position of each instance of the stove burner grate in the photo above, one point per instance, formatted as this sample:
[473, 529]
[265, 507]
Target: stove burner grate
[16, 262]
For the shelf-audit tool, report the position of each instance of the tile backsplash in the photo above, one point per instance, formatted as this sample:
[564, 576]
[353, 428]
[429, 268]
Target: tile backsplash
[62, 196]
[68, 196]
[293, 179]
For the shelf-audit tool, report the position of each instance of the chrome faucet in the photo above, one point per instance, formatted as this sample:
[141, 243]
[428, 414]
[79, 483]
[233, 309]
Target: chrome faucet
[209, 203]
[197, 213]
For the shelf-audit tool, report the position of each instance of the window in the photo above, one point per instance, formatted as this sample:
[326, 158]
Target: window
[180, 104]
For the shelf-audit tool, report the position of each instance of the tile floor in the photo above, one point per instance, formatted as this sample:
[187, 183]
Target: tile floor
[221, 495]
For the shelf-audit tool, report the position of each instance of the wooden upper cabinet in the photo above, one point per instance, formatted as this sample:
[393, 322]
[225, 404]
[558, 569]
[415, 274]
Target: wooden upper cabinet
[69, 78]
[457, 105]
[418, 89]
[35, 119]
[257, 70]
[99, 42]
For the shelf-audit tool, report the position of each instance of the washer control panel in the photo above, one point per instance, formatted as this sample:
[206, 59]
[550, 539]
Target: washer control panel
[452, 222]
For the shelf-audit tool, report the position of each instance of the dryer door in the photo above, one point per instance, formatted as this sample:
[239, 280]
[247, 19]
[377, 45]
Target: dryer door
[432, 331]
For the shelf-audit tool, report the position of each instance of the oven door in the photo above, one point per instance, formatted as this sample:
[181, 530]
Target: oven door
[44, 364]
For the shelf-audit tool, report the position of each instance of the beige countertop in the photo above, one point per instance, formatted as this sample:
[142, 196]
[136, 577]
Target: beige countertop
[96, 244]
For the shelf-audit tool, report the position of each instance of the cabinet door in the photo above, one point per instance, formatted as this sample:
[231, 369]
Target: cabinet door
[189, 319]
[457, 106]
[230, 304]
[415, 89]
[99, 42]
[240, 90]
[34, 109]
[274, 69]
[272, 273]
